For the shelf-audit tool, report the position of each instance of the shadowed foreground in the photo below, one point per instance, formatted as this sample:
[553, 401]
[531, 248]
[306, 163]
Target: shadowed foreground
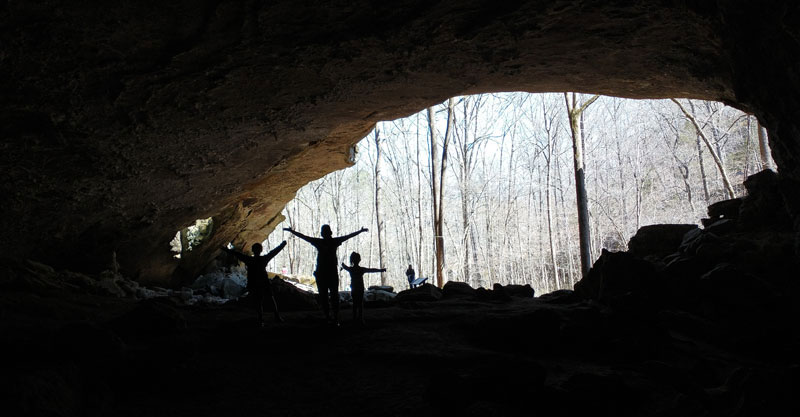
[95, 356]
[688, 322]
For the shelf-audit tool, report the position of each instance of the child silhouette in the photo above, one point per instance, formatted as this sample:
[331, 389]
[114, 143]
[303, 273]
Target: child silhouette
[357, 284]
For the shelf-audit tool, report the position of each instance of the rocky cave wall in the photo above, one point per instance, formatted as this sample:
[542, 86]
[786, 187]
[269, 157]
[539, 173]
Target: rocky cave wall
[125, 121]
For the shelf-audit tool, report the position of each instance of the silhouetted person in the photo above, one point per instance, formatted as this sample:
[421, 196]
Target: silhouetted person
[357, 284]
[327, 272]
[410, 274]
[257, 280]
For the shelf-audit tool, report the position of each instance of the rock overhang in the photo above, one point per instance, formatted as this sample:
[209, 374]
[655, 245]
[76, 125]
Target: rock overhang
[123, 122]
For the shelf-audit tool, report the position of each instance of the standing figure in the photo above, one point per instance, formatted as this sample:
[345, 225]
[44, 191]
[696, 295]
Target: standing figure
[410, 275]
[357, 284]
[327, 271]
[257, 280]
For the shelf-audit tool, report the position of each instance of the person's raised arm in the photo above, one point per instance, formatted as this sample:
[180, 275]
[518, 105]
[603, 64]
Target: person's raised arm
[345, 267]
[298, 234]
[351, 235]
[275, 251]
[240, 256]
[374, 270]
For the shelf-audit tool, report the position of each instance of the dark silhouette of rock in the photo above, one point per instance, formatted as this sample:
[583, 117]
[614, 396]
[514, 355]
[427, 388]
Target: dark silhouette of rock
[518, 290]
[560, 297]
[386, 288]
[614, 274]
[455, 289]
[658, 240]
[424, 292]
[499, 293]
[764, 206]
[725, 209]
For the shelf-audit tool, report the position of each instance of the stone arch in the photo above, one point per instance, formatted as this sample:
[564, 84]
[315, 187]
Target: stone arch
[127, 120]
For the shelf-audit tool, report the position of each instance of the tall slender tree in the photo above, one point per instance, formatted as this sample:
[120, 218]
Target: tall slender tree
[574, 112]
[378, 217]
[437, 185]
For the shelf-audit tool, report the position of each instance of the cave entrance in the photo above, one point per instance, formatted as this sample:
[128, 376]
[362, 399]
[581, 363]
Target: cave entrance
[191, 237]
[509, 205]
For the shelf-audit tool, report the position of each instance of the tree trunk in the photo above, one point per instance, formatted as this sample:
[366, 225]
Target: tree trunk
[440, 261]
[549, 199]
[763, 148]
[437, 188]
[378, 218]
[717, 160]
[434, 167]
[184, 241]
[574, 113]
[419, 206]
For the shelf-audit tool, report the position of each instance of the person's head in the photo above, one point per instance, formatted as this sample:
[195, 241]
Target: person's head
[257, 249]
[409, 266]
[355, 258]
[326, 231]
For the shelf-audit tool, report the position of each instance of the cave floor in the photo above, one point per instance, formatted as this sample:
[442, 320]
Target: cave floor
[91, 355]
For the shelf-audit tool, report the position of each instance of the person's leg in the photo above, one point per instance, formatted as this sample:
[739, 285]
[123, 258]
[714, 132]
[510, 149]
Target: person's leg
[275, 309]
[333, 287]
[273, 303]
[258, 304]
[323, 295]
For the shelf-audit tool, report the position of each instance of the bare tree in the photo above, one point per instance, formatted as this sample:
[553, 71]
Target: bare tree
[763, 148]
[717, 160]
[574, 111]
[378, 218]
[437, 185]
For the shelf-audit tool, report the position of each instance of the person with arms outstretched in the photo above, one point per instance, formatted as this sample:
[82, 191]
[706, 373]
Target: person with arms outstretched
[257, 280]
[357, 284]
[327, 272]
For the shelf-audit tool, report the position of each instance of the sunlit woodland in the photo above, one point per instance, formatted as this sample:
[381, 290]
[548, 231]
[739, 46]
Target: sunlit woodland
[483, 187]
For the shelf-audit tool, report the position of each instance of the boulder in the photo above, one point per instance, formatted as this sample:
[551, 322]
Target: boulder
[386, 288]
[424, 292]
[516, 290]
[289, 297]
[658, 240]
[720, 226]
[455, 289]
[377, 295]
[764, 206]
[560, 297]
[230, 289]
[725, 209]
[616, 273]
[732, 288]
[345, 298]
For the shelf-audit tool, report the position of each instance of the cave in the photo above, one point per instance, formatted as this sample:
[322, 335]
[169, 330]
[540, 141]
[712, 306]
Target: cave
[123, 122]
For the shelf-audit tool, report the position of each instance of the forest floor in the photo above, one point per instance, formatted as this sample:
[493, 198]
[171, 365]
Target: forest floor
[79, 354]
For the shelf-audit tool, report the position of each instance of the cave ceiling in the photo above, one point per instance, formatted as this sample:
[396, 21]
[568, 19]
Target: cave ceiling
[124, 121]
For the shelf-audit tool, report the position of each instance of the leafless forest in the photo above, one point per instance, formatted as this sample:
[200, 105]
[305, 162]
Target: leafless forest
[483, 188]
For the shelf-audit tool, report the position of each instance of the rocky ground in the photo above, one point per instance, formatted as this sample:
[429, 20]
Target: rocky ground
[688, 322]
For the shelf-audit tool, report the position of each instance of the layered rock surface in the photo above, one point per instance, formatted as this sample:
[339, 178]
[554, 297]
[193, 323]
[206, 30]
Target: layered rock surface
[123, 122]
